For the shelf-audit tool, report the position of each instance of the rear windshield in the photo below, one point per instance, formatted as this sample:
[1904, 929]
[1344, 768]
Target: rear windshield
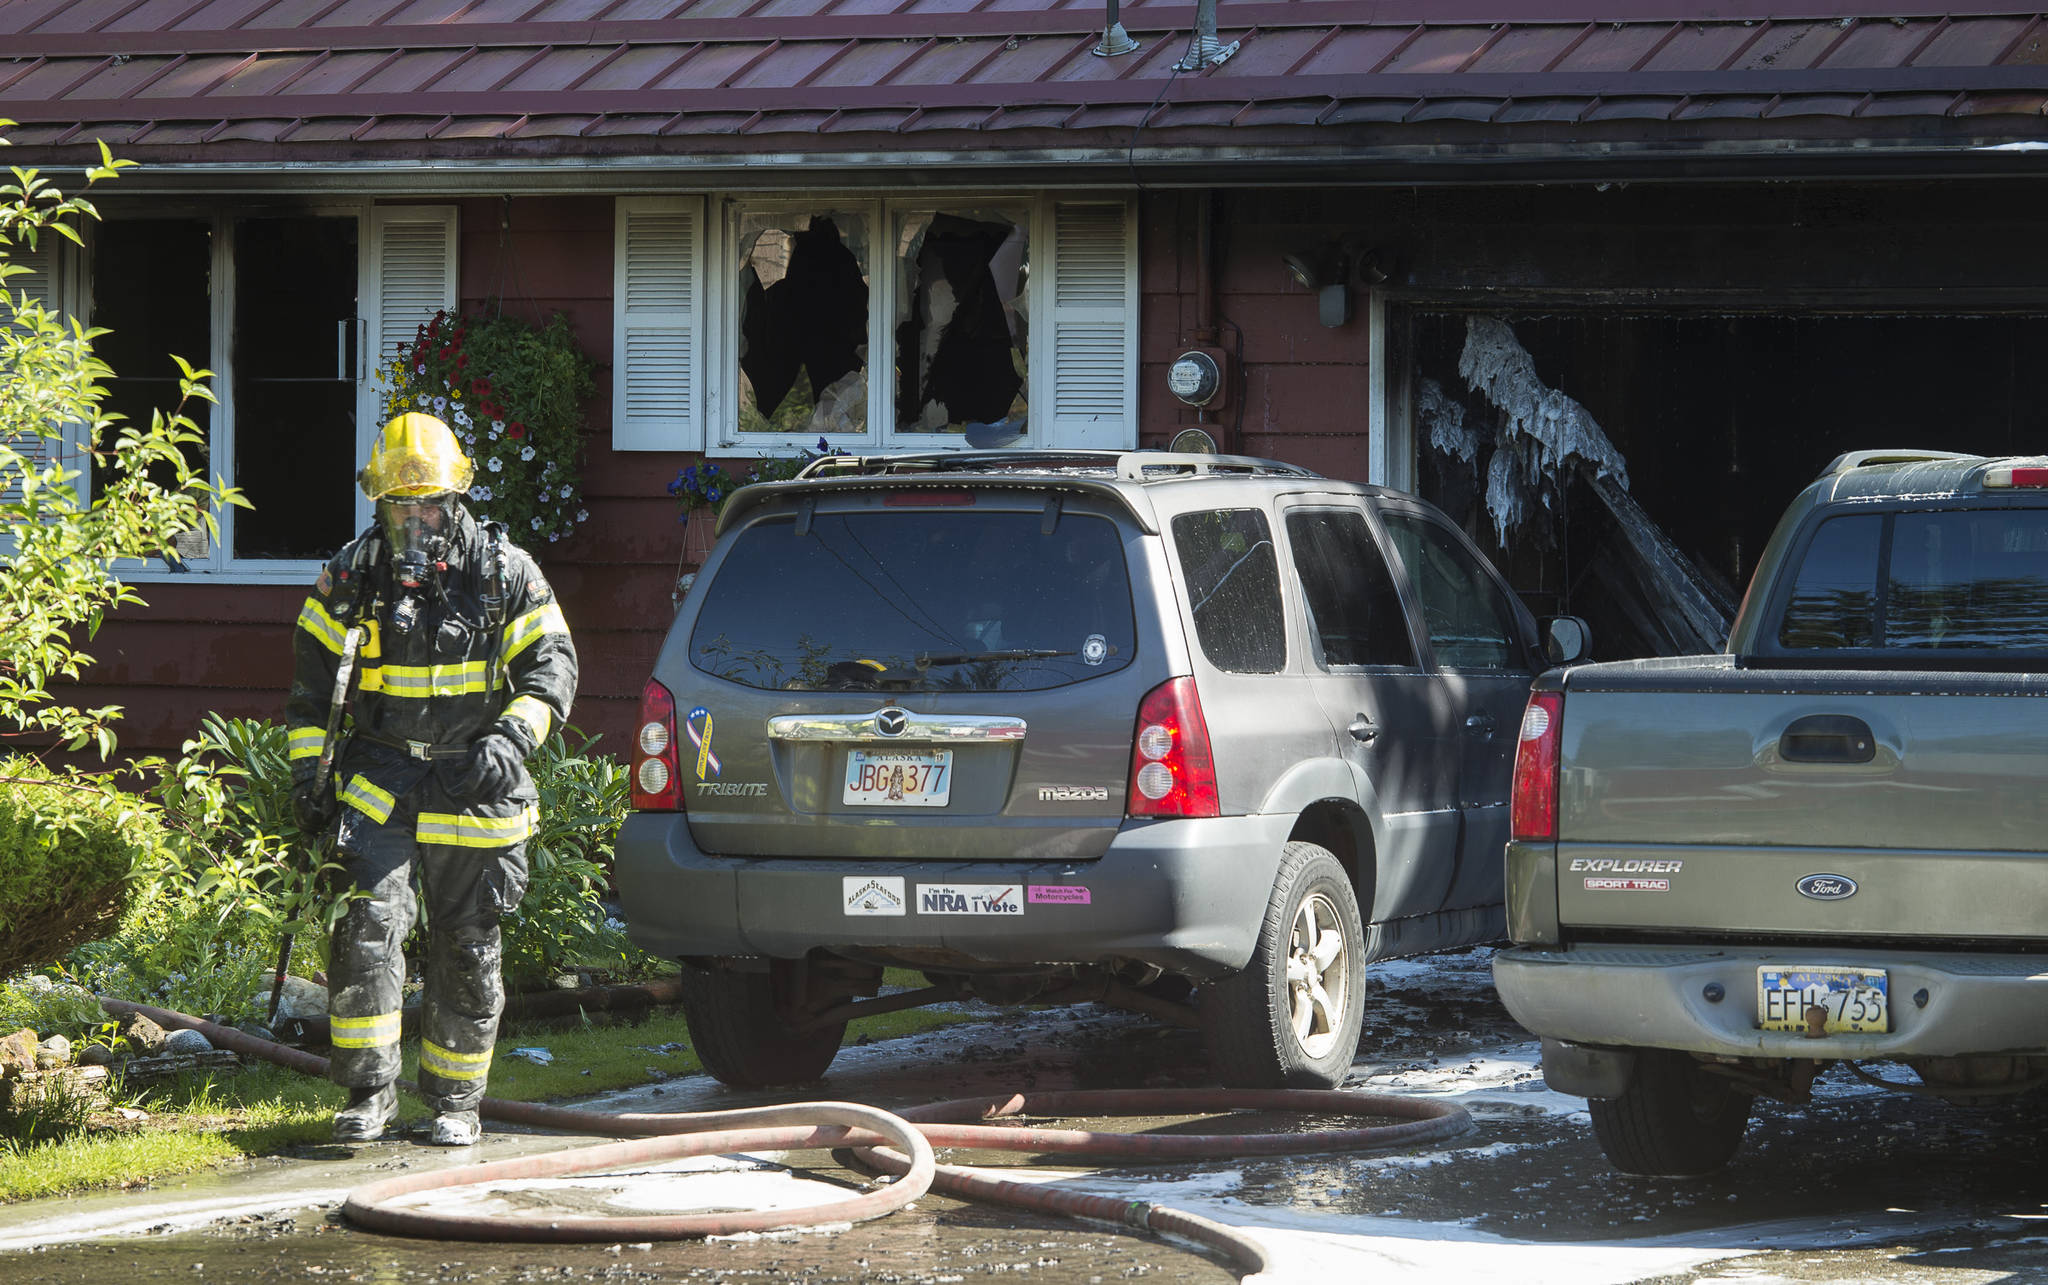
[918, 600]
[1957, 580]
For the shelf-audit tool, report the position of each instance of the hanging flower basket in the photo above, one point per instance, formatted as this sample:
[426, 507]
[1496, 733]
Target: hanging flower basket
[515, 394]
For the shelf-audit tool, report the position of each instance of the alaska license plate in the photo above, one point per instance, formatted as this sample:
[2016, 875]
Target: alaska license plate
[896, 779]
[1823, 1001]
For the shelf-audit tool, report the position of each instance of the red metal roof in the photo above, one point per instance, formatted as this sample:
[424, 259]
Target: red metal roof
[341, 81]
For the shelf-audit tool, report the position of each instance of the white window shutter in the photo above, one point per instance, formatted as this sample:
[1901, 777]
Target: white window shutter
[1093, 359]
[41, 284]
[657, 338]
[413, 257]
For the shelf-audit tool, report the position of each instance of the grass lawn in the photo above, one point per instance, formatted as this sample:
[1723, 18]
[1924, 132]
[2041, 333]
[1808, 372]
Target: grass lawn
[201, 1121]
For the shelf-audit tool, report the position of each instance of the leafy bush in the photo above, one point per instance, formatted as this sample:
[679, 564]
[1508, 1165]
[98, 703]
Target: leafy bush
[49, 1008]
[68, 848]
[561, 923]
[56, 582]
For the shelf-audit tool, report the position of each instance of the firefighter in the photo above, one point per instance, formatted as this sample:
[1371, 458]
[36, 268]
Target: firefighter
[464, 665]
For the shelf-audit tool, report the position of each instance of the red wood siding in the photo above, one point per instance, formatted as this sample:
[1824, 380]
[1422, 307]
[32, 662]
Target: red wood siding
[204, 646]
[1300, 395]
[1300, 391]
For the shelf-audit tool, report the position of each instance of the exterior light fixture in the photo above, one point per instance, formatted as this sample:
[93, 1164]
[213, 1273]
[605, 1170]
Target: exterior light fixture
[1327, 272]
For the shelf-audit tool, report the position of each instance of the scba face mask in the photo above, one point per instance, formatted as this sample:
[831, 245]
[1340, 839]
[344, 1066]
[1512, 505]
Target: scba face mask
[418, 529]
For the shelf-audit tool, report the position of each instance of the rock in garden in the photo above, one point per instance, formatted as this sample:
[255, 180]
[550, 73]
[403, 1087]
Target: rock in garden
[18, 1051]
[300, 998]
[144, 1036]
[95, 1055]
[54, 1052]
[186, 1042]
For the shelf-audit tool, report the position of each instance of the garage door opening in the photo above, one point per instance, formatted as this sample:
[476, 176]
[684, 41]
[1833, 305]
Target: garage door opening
[1717, 421]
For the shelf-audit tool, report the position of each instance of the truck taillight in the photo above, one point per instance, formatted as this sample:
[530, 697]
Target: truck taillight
[1536, 755]
[657, 785]
[1172, 772]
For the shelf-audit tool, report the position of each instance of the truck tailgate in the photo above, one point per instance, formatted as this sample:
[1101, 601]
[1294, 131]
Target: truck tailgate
[1717, 798]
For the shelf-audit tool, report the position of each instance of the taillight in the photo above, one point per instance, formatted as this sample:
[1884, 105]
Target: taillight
[2021, 476]
[657, 786]
[1172, 772]
[1536, 755]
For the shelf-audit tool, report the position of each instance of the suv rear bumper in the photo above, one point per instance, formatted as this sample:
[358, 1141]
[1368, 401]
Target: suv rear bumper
[1656, 997]
[1187, 896]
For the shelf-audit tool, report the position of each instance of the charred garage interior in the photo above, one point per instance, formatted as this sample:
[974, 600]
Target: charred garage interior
[1617, 387]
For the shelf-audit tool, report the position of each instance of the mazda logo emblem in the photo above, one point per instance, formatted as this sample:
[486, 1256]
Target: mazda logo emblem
[891, 721]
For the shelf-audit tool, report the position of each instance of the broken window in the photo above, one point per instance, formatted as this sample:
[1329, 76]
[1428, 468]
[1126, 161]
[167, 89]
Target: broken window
[961, 323]
[803, 334]
[268, 301]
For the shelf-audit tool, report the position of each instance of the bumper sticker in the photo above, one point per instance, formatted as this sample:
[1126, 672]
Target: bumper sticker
[698, 726]
[970, 899]
[872, 894]
[1058, 894]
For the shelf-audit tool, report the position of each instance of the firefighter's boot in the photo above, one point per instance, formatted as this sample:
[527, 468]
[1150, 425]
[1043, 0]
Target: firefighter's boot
[457, 1129]
[366, 1114]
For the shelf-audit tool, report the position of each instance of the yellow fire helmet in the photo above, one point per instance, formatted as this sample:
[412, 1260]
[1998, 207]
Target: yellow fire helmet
[416, 454]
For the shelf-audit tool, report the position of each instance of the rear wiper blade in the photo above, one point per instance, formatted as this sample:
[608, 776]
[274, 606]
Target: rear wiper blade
[1013, 653]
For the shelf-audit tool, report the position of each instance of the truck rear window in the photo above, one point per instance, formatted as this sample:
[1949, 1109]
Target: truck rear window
[1964, 580]
[918, 600]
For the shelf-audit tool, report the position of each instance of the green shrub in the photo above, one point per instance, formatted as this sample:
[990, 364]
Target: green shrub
[584, 796]
[233, 876]
[69, 846]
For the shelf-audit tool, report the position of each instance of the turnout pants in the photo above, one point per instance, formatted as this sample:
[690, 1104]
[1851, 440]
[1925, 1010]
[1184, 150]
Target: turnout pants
[465, 890]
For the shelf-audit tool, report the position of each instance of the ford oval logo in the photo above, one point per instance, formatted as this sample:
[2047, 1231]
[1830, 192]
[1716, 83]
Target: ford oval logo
[1827, 887]
[892, 721]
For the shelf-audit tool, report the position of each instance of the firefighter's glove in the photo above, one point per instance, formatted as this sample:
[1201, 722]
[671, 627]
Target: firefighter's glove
[314, 807]
[492, 770]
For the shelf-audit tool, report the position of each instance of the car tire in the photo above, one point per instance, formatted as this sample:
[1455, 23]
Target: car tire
[1675, 1120]
[1291, 1019]
[740, 1039]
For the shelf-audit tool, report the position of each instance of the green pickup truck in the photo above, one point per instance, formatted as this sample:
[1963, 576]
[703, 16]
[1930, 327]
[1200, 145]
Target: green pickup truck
[1827, 845]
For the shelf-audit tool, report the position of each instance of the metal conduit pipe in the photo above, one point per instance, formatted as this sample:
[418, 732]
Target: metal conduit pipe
[899, 1143]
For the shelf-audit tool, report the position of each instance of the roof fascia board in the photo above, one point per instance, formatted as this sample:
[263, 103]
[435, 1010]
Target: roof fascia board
[1100, 168]
[1337, 88]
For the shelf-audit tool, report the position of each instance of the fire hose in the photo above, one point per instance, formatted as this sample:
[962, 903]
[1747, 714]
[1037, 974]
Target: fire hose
[899, 1143]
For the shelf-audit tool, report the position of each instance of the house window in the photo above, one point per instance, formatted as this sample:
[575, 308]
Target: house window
[283, 307]
[961, 312]
[802, 291]
[874, 323]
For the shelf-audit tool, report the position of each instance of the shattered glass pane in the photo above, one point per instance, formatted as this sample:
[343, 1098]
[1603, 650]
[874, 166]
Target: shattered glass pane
[803, 289]
[961, 324]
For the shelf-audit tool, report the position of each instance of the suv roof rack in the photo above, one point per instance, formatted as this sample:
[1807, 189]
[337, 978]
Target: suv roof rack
[1128, 466]
[1863, 459]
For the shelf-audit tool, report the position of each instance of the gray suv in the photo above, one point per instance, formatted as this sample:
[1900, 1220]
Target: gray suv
[1138, 728]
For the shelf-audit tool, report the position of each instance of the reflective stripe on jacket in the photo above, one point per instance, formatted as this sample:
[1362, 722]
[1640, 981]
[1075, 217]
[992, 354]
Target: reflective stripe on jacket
[447, 680]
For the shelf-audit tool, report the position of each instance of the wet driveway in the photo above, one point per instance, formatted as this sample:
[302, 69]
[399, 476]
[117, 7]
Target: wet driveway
[1860, 1186]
